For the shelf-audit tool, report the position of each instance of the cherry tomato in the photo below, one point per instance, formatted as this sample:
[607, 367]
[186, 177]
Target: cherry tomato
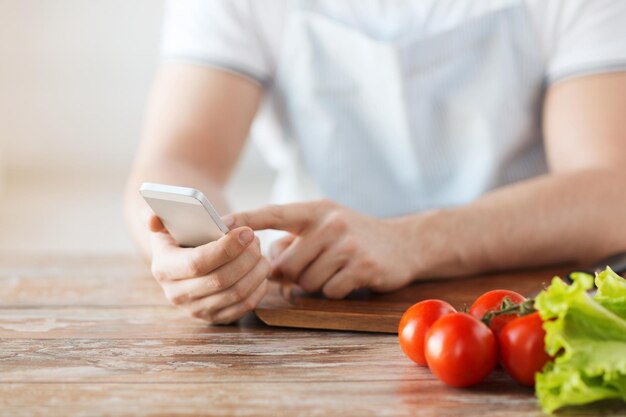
[522, 350]
[415, 323]
[460, 350]
[492, 301]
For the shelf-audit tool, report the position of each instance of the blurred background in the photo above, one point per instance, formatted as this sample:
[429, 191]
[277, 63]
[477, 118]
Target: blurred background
[74, 78]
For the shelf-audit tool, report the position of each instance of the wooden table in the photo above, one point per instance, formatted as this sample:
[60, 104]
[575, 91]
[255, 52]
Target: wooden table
[94, 336]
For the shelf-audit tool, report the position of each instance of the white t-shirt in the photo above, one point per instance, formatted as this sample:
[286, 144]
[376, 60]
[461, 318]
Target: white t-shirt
[392, 107]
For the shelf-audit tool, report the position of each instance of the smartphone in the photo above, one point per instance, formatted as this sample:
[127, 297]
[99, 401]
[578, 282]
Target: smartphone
[185, 212]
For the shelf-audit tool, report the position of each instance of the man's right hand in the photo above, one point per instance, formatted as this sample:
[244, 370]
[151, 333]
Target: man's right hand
[218, 282]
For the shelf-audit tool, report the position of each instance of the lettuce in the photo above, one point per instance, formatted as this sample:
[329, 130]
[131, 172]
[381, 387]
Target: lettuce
[611, 292]
[587, 337]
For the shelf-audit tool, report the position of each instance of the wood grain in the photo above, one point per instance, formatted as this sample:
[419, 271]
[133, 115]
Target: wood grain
[88, 336]
[395, 398]
[51, 280]
[309, 357]
[257, 399]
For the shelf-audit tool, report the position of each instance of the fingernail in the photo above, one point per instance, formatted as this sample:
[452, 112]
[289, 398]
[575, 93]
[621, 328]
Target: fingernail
[229, 221]
[246, 236]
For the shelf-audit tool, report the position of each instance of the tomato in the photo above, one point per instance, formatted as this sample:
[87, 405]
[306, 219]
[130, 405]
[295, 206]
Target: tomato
[522, 350]
[492, 301]
[460, 350]
[415, 323]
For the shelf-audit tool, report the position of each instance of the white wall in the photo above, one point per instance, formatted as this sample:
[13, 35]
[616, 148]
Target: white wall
[74, 76]
[73, 80]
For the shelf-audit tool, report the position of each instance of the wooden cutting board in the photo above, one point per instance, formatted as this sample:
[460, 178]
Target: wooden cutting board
[365, 311]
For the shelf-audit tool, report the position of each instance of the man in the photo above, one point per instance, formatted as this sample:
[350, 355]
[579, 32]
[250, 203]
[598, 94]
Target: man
[444, 137]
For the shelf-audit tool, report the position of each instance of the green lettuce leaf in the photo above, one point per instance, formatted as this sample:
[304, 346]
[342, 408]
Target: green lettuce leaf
[587, 337]
[611, 292]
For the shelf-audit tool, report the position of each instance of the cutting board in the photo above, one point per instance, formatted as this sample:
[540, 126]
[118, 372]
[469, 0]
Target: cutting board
[369, 312]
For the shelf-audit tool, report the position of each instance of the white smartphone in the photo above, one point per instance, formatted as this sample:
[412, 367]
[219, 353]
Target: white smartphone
[185, 212]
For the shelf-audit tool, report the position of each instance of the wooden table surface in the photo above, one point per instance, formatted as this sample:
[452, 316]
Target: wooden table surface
[94, 336]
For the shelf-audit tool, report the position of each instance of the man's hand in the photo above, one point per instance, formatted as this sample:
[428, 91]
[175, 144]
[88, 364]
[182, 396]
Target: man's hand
[219, 282]
[332, 248]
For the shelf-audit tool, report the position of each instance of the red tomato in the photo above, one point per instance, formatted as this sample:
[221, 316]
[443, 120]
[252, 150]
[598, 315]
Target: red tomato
[415, 323]
[522, 350]
[460, 350]
[492, 301]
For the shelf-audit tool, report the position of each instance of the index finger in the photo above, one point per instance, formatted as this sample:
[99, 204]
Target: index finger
[292, 218]
[154, 223]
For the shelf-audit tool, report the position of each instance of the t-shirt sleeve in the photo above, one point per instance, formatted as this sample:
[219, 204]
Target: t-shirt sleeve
[217, 33]
[587, 37]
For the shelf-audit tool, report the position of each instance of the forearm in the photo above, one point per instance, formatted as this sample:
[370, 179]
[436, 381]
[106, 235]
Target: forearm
[568, 217]
[196, 126]
[166, 171]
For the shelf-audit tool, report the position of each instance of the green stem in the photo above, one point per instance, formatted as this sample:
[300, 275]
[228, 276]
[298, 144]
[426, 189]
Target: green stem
[508, 307]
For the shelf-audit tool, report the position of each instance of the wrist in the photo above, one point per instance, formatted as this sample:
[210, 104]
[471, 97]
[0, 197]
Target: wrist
[429, 244]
